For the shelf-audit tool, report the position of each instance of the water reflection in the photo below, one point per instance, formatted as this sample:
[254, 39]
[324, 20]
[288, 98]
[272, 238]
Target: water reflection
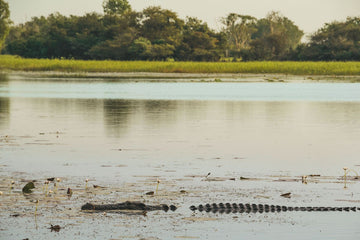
[250, 135]
[117, 115]
[4, 112]
[4, 102]
[286, 135]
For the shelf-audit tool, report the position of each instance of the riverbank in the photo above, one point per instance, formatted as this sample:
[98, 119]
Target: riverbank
[177, 77]
[198, 69]
[54, 211]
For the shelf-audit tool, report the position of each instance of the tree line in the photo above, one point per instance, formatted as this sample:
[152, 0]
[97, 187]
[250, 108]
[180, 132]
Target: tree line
[121, 33]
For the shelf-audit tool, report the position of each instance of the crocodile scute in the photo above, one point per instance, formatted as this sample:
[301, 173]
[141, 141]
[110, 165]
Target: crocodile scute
[253, 208]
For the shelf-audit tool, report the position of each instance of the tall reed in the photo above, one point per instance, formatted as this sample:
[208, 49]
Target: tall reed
[266, 67]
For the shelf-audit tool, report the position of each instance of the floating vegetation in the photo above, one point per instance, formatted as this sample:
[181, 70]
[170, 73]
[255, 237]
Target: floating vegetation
[28, 187]
[151, 193]
[286, 195]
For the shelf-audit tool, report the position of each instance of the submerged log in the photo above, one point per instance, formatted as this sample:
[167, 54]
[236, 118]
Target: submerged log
[128, 205]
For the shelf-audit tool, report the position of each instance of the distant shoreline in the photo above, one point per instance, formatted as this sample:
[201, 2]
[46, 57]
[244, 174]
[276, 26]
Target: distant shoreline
[179, 77]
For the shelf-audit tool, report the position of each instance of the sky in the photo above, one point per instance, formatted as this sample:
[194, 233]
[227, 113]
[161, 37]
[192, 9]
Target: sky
[309, 15]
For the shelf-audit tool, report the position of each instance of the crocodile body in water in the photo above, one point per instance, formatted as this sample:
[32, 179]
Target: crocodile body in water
[128, 205]
[221, 207]
[253, 208]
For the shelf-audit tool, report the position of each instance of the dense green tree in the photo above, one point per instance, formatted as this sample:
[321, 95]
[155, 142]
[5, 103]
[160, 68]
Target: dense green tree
[116, 7]
[276, 35]
[115, 24]
[140, 49]
[162, 51]
[335, 41]
[4, 21]
[117, 48]
[28, 39]
[199, 42]
[159, 34]
[85, 32]
[161, 26]
[57, 40]
[119, 33]
[238, 29]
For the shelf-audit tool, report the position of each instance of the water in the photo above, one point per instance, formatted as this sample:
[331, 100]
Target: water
[230, 91]
[120, 132]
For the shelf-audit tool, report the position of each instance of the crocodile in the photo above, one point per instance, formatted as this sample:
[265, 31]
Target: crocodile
[253, 208]
[128, 205]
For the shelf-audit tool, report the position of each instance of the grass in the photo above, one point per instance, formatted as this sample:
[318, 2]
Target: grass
[14, 63]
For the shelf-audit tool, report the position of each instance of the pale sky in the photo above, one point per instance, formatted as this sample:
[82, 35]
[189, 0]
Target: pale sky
[309, 15]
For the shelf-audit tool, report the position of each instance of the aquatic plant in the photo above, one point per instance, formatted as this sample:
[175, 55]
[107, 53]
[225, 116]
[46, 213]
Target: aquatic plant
[12, 183]
[36, 205]
[58, 180]
[346, 172]
[264, 67]
[46, 183]
[157, 186]
[28, 187]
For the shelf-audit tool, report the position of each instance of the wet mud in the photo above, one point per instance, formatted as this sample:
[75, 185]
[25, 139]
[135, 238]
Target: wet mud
[50, 208]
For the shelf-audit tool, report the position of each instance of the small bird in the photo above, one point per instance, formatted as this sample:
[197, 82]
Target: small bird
[55, 228]
[46, 186]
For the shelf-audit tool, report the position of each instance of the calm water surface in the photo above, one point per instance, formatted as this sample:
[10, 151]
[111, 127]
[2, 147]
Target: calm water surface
[75, 128]
[263, 127]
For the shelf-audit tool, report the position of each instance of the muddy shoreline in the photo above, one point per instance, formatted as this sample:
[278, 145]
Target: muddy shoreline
[179, 77]
[58, 211]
